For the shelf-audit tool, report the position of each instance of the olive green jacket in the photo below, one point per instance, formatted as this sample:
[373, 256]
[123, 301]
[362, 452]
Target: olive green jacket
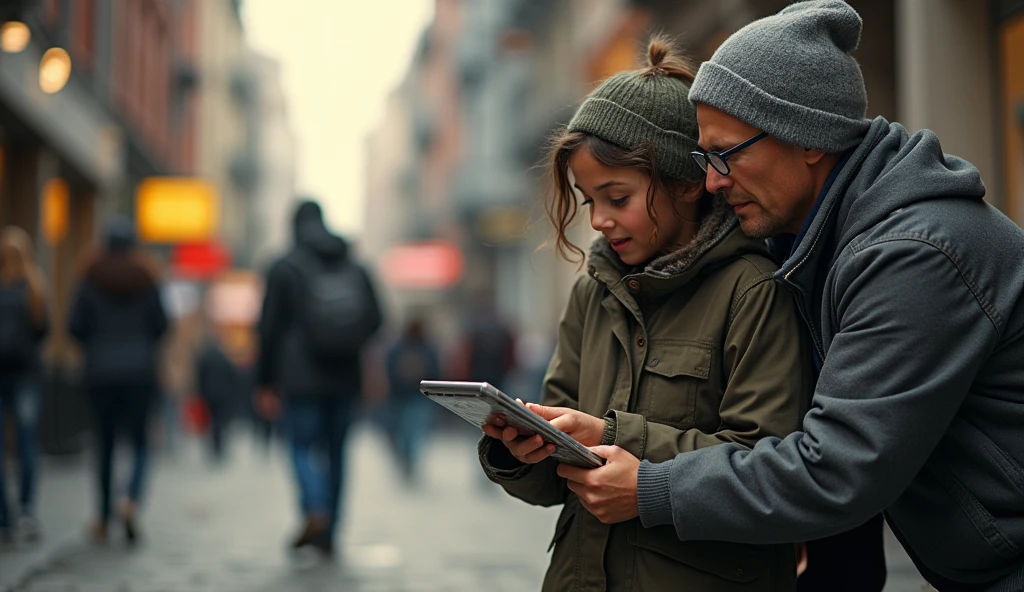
[700, 347]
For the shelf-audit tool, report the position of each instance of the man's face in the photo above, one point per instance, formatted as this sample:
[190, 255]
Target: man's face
[770, 185]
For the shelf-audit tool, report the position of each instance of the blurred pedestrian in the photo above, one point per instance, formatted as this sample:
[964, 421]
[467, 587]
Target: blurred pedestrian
[118, 318]
[675, 339]
[223, 386]
[319, 310]
[23, 324]
[410, 359]
[490, 345]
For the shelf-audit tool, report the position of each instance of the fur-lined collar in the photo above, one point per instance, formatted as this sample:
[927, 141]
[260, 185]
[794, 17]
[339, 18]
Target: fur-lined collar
[717, 224]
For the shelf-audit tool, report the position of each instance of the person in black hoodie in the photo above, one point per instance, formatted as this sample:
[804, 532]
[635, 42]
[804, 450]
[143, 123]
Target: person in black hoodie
[118, 318]
[319, 308]
[23, 325]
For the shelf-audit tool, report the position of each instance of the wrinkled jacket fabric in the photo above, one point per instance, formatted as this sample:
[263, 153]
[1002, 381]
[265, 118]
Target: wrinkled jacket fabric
[912, 286]
[701, 347]
[286, 362]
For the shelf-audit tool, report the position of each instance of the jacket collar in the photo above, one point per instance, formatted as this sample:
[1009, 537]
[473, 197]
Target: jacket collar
[819, 235]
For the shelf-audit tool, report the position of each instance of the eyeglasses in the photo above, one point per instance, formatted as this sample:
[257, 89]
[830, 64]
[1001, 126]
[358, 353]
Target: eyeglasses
[719, 160]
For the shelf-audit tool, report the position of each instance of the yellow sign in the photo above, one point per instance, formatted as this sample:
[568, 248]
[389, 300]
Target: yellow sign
[55, 210]
[176, 209]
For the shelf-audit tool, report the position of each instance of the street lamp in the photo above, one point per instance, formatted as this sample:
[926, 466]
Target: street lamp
[14, 36]
[54, 70]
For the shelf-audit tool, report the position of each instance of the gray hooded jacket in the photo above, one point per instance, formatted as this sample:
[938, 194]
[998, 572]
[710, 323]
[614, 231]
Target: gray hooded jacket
[912, 286]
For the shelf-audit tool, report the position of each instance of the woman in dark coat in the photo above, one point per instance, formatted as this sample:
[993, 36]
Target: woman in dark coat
[23, 326]
[118, 318]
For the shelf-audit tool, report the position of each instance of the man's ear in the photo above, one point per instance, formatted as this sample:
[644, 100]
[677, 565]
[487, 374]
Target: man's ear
[813, 155]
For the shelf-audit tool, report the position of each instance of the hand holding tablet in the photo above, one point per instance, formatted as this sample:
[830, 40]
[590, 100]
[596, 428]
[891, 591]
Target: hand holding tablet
[481, 403]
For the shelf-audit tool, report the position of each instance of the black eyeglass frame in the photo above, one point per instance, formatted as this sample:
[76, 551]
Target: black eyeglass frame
[703, 158]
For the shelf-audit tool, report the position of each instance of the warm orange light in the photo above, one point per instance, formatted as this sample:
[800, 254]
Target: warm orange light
[14, 36]
[54, 70]
[56, 198]
[176, 209]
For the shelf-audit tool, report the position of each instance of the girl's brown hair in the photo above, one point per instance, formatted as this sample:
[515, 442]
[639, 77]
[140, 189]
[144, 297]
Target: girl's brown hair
[662, 60]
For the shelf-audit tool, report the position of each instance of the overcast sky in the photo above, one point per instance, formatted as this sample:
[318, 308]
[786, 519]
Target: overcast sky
[339, 60]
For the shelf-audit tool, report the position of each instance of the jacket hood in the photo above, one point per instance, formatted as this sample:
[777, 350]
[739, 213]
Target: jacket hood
[121, 273]
[718, 240]
[312, 235]
[889, 170]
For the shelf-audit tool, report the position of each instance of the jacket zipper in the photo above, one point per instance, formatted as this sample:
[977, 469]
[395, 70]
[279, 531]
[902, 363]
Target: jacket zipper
[801, 306]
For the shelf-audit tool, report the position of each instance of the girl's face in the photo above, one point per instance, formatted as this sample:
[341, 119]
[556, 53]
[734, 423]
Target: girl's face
[617, 198]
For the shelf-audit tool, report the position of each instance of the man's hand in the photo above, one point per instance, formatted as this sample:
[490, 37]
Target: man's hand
[608, 492]
[268, 404]
[583, 427]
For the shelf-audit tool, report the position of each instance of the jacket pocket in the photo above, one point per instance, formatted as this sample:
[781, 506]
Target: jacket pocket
[563, 571]
[676, 368]
[703, 565]
[562, 526]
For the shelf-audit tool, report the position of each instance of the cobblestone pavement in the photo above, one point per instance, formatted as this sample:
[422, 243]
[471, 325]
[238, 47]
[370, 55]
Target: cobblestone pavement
[223, 528]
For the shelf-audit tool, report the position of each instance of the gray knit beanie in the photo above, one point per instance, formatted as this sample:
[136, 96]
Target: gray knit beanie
[644, 107]
[792, 75]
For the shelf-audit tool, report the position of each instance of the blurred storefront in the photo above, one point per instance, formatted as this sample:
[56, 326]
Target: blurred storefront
[93, 97]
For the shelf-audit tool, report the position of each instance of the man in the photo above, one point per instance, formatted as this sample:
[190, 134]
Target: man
[910, 285]
[319, 309]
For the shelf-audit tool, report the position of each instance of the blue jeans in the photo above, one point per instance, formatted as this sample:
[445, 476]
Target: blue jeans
[413, 420]
[120, 410]
[317, 431]
[23, 397]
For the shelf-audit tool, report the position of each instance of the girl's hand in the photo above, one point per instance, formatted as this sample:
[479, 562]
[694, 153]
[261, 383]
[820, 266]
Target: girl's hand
[584, 428]
[527, 449]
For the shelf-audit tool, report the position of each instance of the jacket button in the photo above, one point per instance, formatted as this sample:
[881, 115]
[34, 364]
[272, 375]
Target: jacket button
[633, 285]
[739, 573]
[640, 341]
[654, 362]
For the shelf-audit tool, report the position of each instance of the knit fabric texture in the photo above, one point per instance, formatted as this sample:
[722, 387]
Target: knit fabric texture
[635, 109]
[791, 75]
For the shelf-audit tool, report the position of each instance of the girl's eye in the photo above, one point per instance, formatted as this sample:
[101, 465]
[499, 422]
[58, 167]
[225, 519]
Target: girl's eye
[587, 202]
[618, 203]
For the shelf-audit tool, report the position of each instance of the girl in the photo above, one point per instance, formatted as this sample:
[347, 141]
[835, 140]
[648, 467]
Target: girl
[23, 325]
[676, 338]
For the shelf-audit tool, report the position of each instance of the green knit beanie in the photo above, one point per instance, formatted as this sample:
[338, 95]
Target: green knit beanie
[644, 107]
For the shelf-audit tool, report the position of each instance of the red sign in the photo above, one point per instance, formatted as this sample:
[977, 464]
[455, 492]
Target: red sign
[200, 261]
[426, 265]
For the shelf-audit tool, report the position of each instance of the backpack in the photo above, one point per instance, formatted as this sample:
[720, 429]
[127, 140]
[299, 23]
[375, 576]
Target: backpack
[336, 307]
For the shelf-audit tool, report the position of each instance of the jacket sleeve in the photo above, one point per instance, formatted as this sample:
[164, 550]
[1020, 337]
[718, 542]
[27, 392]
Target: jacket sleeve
[911, 337]
[82, 317]
[768, 382]
[159, 318]
[274, 317]
[539, 484]
[376, 317]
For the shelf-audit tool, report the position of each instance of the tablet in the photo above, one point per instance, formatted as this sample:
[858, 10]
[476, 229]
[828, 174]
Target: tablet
[479, 402]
